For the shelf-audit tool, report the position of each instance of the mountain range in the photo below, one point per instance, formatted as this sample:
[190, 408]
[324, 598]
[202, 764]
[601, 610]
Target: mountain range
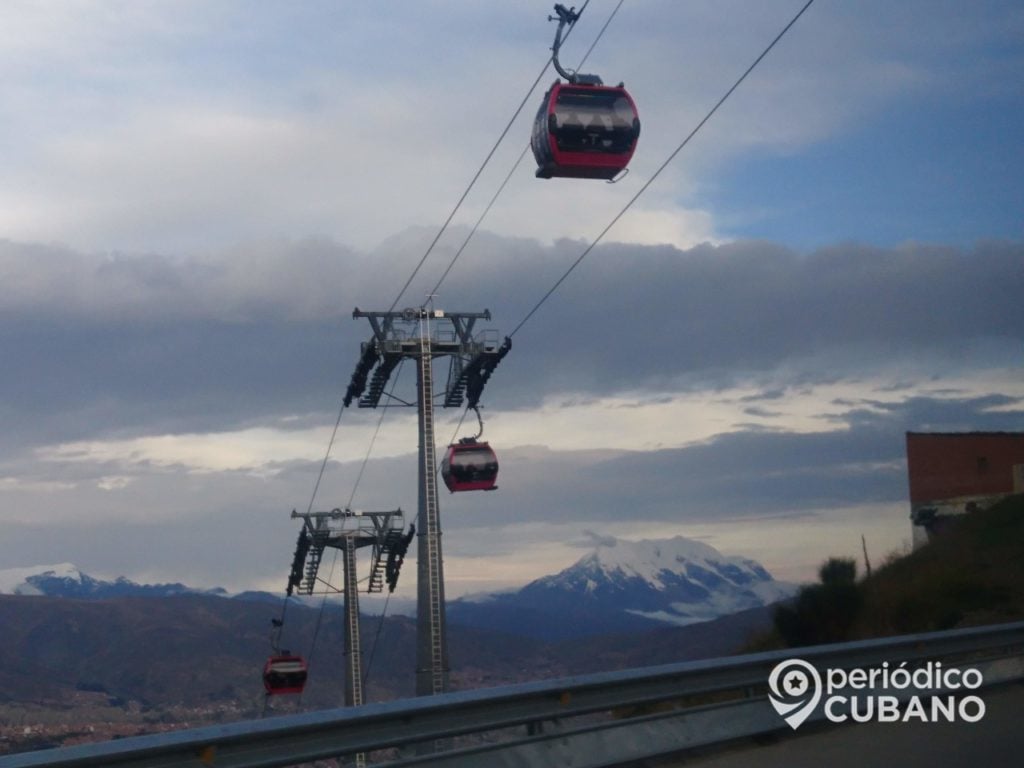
[627, 586]
[621, 605]
[620, 586]
[66, 580]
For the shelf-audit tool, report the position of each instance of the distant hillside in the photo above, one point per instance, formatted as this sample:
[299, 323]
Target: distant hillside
[165, 646]
[971, 573]
[195, 650]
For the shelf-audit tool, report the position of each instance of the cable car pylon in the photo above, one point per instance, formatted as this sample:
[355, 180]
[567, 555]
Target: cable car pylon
[348, 530]
[413, 333]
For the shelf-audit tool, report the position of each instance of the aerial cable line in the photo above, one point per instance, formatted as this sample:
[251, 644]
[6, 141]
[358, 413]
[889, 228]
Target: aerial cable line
[373, 439]
[479, 171]
[433, 291]
[662, 167]
[376, 640]
[278, 624]
[327, 456]
[501, 187]
[319, 618]
[316, 486]
[351, 498]
[419, 265]
[600, 34]
[447, 221]
[509, 175]
[476, 226]
[444, 275]
[473, 231]
[526, 149]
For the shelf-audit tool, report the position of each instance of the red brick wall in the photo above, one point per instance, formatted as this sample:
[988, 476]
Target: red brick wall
[947, 465]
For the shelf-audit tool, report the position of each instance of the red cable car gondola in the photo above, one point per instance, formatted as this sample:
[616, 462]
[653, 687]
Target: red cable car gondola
[284, 674]
[469, 465]
[583, 129]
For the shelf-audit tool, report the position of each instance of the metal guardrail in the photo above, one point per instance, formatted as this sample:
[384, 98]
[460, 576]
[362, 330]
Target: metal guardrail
[586, 721]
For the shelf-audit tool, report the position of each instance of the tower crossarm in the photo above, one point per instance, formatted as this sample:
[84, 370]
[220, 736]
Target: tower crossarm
[370, 397]
[367, 360]
[469, 378]
[475, 385]
[339, 528]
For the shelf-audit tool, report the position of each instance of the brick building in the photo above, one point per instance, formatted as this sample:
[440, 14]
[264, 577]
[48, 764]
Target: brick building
[951, 473]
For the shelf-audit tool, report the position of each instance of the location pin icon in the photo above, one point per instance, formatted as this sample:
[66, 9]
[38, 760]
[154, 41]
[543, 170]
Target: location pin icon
[794, 689]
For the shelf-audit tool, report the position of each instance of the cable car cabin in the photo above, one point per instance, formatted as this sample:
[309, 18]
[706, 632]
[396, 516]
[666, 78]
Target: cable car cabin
[584, 131]
[284, 674]
[469, 466]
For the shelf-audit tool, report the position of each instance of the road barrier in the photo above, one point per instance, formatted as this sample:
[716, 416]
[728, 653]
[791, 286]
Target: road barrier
[585, 721]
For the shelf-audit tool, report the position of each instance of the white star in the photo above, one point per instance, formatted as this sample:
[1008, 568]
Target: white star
[795, 683]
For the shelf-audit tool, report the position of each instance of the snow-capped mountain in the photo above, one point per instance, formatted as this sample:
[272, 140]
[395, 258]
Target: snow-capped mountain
[66, 580]
[626, 586]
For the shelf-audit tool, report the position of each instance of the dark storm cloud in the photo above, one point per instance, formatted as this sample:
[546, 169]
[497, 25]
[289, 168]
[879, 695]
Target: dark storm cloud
[72, 380]
[657, 313]
[98, 344]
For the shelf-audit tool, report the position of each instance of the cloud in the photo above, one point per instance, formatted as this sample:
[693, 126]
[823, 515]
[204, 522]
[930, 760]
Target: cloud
[592, 540]
[196, 196]
[183, 127]
[137, 345]
[747, 493]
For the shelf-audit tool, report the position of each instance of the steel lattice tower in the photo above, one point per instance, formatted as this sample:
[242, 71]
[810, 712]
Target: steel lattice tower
[423, 335]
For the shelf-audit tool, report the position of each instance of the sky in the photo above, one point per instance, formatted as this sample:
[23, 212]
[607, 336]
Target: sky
[194, 196]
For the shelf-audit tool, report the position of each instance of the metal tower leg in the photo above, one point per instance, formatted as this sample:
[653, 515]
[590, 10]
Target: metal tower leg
[432, 642]
[353, 648]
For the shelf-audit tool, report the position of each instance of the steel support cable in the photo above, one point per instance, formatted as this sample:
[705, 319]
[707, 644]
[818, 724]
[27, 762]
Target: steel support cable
[405, 287]
[334, 559]
[497, 194]
[522, 154]
[312, 499]
[319, 621]
[662, 167]
[508, 176]
[504, 183]
[316, 487]
[419, 265]
[376, 433]
[444, 275]
[479, 171]
[327, 456]
[376, 640]
[455, 258]
[600, 34]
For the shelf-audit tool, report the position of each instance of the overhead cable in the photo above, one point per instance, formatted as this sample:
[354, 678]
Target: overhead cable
[476, 176]
[662, 167]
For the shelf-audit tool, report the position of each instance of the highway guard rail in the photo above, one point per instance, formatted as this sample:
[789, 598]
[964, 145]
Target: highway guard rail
[585, 721]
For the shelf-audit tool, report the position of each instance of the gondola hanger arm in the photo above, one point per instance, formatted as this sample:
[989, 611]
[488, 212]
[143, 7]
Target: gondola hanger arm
[567, 17]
